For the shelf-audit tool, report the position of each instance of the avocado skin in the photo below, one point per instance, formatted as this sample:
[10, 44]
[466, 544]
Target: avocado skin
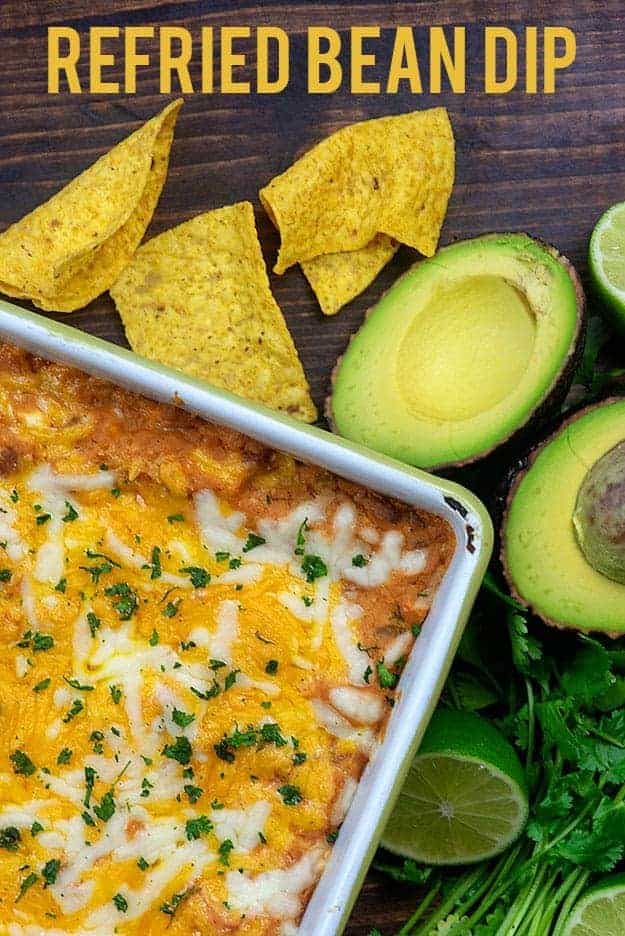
[507, 489]
[554, 399]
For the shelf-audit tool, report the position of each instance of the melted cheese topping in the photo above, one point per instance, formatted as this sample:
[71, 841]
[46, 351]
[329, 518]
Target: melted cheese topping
[191, 682]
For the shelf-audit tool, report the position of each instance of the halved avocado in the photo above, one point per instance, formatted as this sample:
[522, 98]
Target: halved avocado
[461, 352]
[563, 534]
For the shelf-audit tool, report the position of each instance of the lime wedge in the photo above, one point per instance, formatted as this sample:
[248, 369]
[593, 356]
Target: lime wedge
[465, 796]
[607, 260]
[601, 911]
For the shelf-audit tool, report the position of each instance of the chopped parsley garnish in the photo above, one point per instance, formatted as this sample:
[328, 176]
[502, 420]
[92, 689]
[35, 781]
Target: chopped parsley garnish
[291, 795]
[5, 575]
[106, 807]
[22, 764]
[179, 751]
[195, 828]
[61, 585]
[307, 600]
[386, 679]
[270, 733]
[42, 685]
[234, 564]
[94, 622]
[28, 882]
[416, 630]
[38, 641]
[76, 708]
[146, 786]
[170, 907]
[116, 492]
[299, 758]
[331, 837]
[50, 871]
[271, 667]
[175, 518]
[42, 642]
[222, 556]
[199, 576]
[142, 864]
[367, 674]
[75, 684]
[119, 900]
[14, 496]
[10, 837]
[36, 828]
[224, 852]
[154, 638]
[193, 792]
[182, 719]
[300, 540]
[187, 644]
[43, 518]
[116, 694]
[64, 758]
[171, 609]
[230, 679]
[155, 564]
[96, 738]
[95, 571]
[253, 540]
[87, 819]
[90, 776]
[314, 567]
[217, 805]
[71, 515]
[127, 601]
[214, 690]
[360, 561]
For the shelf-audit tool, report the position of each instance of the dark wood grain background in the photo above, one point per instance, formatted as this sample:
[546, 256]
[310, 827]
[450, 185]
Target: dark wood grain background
[546, 164]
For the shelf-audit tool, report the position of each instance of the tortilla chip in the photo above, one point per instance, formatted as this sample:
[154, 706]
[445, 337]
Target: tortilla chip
[338, 278]
[197, 298]
[74, 246]
[392, 176]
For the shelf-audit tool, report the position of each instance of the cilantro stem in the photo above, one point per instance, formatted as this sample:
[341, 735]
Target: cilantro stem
[531, 727]
[534, 918]
[446, 906]
[500, 888]
[568, 903]
[549, 912]
[514, 917]
[423, 906]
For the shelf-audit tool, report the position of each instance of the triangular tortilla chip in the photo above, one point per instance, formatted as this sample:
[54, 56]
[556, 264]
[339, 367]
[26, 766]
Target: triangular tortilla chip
[74, 246]
[392, 175]
[197, 298]
[338, 278]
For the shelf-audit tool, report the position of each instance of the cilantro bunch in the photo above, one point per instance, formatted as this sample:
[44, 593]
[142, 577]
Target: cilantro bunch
[560, 699]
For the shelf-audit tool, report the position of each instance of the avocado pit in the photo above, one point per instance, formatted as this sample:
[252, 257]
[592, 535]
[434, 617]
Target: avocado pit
[599, 517]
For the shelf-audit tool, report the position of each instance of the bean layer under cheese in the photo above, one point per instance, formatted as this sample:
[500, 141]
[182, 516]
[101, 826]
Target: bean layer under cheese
[200, 644]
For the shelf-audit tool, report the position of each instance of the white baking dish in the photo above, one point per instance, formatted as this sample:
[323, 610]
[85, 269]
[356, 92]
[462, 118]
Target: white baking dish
[424, 675]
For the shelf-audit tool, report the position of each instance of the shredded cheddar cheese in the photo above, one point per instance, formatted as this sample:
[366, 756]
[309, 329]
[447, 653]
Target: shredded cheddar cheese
[193, 672]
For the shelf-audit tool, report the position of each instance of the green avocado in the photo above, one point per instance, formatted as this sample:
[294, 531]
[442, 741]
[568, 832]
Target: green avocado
[461, 352]
[563, 534]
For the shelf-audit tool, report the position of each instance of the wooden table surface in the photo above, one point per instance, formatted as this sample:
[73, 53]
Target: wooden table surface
[546, 164]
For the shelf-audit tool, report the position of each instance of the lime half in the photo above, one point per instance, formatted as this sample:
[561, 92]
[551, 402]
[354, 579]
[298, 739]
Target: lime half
[607, 259]
[465, 797]
[601, 911]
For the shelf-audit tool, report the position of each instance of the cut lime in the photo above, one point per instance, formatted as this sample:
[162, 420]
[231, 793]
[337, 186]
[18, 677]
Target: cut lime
[607, 260]
[601, 911]
[465, 796]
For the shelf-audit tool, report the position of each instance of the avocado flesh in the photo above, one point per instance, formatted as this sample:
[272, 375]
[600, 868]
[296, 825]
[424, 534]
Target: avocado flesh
[599, 517]
[459, 353]
[542, 558]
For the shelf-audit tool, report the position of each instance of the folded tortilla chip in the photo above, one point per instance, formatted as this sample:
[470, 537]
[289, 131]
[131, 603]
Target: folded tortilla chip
[74, 246]
[197, 298]
[392, 175]
[338, 278]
